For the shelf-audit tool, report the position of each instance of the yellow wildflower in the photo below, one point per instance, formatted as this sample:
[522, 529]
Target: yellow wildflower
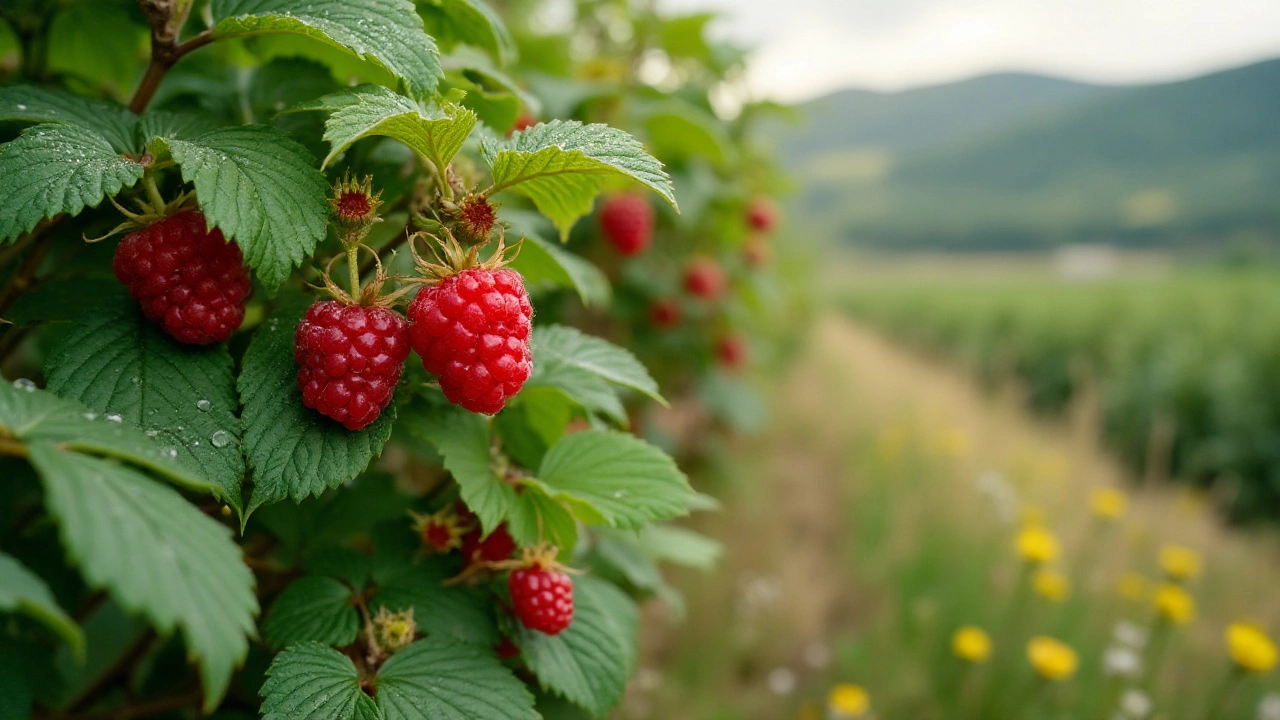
[1037, 545]
[1052, 659]
[1250, 648]
[1174, 603]
[953, 442]
[1108, 503]
[971, 643]
[848, 701]
[1132, 586]
[1179, 563]
[1051, 585]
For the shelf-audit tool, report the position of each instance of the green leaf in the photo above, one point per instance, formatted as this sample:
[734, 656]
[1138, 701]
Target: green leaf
[562, 352]
[99, 44]
[314, 682]
[559, 166]
[52, 169]
[621, 552]
[626, 480]
[463, 613]
[386, 32]
[26, 103]
[471, 22]
[365, 110]
[668, 543]
[181, 125]
[463, 439]
[540, 261]
[119, 364]
[23, 591]
[293, 450]
[590, 661]
[678, 130]
[156, 553]
[261, 189]
[444, 680]
[33, 416]
[312, 609]
[538, 517]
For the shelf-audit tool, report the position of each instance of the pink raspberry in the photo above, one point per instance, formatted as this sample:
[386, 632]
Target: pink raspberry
[349, 360]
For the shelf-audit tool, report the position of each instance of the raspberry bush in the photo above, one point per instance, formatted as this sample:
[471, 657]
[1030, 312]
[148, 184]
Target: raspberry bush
[301, 420]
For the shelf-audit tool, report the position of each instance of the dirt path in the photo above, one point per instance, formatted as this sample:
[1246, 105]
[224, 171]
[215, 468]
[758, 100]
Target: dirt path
[780, 592]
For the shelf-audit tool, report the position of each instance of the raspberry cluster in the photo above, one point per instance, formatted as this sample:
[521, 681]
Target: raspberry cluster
[186, 277]
[472, 330]
[349, 360]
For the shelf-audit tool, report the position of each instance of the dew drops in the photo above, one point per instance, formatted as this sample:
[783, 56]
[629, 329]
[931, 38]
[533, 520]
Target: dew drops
[152, 433]
[221, 438]
[204, 405]
[90, 416]
[21, 106]
[25, 384]
[619, 494]
[169, 452]
[114, 418]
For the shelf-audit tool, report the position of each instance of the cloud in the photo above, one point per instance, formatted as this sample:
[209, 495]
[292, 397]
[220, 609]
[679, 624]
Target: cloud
[814, 46]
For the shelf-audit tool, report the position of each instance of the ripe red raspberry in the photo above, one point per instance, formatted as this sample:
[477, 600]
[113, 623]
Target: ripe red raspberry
[704, 279]
[664, 313]
[542, 599]
[731, 351]
[472, 329]
[187, 278]
[762, 215]
[627, 223]
[498, 546]
[349, 360]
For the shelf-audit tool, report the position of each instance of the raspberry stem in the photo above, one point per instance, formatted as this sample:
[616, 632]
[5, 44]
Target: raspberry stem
[353, 268]
[153, 192]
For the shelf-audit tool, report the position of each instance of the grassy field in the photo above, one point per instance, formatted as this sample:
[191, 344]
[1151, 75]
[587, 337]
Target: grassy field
[878, 515]
[1183, 365]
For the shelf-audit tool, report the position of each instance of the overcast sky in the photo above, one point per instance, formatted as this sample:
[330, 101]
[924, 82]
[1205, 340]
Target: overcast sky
[805, 48]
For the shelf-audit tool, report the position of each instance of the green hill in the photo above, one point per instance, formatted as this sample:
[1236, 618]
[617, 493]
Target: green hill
[1192, 163]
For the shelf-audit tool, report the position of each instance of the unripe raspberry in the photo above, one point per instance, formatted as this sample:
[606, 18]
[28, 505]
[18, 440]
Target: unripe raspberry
[627, 223]
[186, 277]
[472, 330]
[498, 546]
[664, 314]
[704, 279]
[731, 351]
[349, 360]
[475, 219]
[542, 599]
[762, 215]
